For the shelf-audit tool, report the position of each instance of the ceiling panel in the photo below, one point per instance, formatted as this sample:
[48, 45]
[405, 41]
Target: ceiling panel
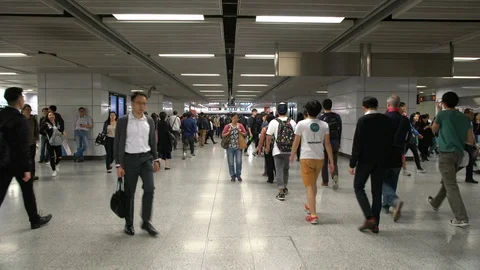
[413, 36]
[444, 10]
[469, 48]
[25, 7]
[260, 38]
[340, 8]
[206, 7]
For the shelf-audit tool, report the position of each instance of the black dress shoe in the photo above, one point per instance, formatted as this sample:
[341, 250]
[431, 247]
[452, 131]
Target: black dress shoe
[129, 230]
[472, 181]
[40, 222]
[149, 228]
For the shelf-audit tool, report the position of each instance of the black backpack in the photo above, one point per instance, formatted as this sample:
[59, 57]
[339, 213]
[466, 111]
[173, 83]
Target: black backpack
[4, 149]
[334, 126]
[285, 136]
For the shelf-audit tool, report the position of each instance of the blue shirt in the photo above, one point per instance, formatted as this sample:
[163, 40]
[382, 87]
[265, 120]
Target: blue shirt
[189, 127]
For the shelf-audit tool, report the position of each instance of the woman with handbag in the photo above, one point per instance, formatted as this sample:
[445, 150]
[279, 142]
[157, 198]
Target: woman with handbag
[109, 131]
[237, 143]
[54, 133]
[165, 139]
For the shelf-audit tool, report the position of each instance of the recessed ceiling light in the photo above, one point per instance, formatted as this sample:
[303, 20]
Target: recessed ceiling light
[322, 92]
[207, 84]
[159, 17]
[136, 90]
[200, 74]
[8, 73]
[188, 55]
[462, 77]
[257, 75]
[245, 91]
[420, 92]
[12, 55]
[252, 85]
[299, 19]
[246, 95]
[214, 95]
[260, 56]
[211, 91]
[471, 87]
[421, 86]
[29, 90]
[466, 59]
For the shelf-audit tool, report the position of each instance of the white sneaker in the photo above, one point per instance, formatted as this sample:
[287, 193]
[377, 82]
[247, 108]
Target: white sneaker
[47, 163]
[54, 174]
[406, 173]
[335, 182]
[421, 171]
[458, 223]
[57, 168]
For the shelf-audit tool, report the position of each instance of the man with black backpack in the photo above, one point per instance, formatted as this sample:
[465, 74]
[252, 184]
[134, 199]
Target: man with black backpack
[334, 122]
[15, 160]
[280, 136]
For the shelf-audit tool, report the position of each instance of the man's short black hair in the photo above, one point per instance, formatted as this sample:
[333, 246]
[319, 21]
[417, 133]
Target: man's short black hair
[45, 109]
[254, 110]
[370, 103]
[327, 104]
[313, 107]
[12, 95]
[189, 114]
[467, 111]
[175, 112]
[450, 99]
[53, 108]
[81, 108]
[138, 94]
[402, 104]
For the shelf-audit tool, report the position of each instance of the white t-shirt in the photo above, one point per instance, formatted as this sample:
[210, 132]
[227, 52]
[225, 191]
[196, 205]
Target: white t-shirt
[273, 131]
[313, 133]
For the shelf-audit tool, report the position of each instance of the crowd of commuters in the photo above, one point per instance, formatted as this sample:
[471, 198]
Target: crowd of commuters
[136, 143]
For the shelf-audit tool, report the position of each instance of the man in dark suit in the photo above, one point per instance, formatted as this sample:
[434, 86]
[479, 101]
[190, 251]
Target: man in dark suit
[372, 144]
[15, 135]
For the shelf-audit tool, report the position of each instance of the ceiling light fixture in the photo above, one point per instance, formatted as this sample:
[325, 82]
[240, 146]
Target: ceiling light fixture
[212, 91]
[8, 73]
[207, 84]
[200, 74]
[214, 95]
[257, 75]
[299, 19]
[137, 90]
[187, 55]
[471, 87]
[421, 86]
[159, 17]
[260, 56]
[420, 92]
[462, 77]
[12, 55]
[252, 85]
[322, 92]
[466, 59]
[246, 95]
[245, 91]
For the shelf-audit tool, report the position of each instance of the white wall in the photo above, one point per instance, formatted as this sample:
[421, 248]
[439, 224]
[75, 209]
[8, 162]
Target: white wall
[427, 107]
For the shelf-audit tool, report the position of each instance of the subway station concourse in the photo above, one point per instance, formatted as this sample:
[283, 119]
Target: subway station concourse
[218, 57]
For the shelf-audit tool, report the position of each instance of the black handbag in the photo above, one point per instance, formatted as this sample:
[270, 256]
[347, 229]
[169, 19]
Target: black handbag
[118, 202]
[101, 139]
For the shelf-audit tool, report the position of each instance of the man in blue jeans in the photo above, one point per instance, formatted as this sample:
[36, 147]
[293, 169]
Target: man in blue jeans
[401, 129]
[82, 125]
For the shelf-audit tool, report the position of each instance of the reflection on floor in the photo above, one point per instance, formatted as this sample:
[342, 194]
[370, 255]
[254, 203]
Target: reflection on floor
[207, 222]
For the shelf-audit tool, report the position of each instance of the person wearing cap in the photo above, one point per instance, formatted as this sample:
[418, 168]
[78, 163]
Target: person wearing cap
[282, 159]
[82, 125]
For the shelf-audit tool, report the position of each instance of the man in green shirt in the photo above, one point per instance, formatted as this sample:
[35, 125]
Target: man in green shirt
[454, 131]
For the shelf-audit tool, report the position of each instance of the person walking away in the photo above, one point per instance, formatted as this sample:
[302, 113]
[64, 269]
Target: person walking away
[403, 111]
[415, 136]
[81, 126]
[371, 151]
[300, 117]
[234, 152]
[136, 156]
[109, 128]
[50, 129]
[216, 122]
[425, 142]
[471, 149]
[175, 124]
[401, 128]
[190, 131]
[280, 134]
[203, 127]
[334, 122]
[164, 145]
[454, 131]
[43, 141]
[269, 162]
[252, 130]
[15, 144]
[33, 135]
[315, 138]
[210, 132]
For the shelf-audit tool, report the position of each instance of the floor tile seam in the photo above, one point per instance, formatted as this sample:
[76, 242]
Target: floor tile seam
[298, 252]
[211, 214]
[437, 251]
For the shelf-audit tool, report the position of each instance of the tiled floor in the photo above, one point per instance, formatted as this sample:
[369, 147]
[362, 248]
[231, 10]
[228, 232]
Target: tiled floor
[207, 222]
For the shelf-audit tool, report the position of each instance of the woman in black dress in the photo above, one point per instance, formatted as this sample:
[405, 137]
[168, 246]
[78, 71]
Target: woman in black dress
[164, 145]
[424, 128]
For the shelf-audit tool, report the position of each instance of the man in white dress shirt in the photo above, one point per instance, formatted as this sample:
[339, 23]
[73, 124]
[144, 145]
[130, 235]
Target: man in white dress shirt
[136, 155]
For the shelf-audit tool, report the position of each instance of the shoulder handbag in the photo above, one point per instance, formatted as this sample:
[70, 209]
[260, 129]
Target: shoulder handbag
[101, 139]
[242, 141]
[225, 141]
[118, 202]
[57, 137]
